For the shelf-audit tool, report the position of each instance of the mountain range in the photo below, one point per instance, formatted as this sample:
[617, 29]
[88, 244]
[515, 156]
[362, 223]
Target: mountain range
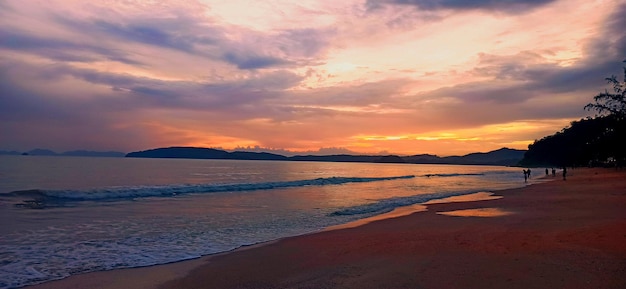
[500, 157]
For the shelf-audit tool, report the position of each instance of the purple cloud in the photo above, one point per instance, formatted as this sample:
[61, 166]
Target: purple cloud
[509, 7]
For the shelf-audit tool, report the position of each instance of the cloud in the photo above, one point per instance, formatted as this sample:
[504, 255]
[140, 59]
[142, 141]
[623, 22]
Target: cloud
[285, 48]
[305, 42]
[252, 61]
[245, 98]
[509, 7]
[61, 49]
[149, 33]
[131, 75]
[538, 92]
[611, 43]
[102, 33]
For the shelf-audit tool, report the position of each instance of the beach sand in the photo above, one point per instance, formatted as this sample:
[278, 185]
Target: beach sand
[557, 234]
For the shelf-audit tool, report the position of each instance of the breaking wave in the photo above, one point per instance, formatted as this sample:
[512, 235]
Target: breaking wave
[451, 175]
[133, 192]
[388, 205]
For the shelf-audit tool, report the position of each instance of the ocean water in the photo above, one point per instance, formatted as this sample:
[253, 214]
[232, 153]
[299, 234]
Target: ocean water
[61, 216]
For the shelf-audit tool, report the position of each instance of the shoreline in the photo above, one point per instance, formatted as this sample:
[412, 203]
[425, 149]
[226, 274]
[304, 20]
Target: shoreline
[559, 234]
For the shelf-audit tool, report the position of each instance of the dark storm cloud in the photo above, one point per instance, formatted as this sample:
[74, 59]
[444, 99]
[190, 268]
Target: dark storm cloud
[508, 6]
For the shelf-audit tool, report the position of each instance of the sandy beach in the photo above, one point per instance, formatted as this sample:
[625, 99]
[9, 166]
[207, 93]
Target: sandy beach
[557, 234]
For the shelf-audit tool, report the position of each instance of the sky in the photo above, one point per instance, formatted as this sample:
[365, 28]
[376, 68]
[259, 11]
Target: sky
[445, 77]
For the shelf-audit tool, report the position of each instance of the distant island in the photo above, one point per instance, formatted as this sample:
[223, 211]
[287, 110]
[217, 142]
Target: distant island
[76, 153]
[500, 157]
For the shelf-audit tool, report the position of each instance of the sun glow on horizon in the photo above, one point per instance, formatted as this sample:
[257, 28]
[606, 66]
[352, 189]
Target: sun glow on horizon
[365, 76]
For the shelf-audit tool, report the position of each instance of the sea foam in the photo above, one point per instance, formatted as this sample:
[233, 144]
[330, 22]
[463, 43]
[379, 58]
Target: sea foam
[42, 196]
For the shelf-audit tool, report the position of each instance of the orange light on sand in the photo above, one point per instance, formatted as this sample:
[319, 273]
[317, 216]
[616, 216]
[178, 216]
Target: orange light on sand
[480, 196]
[482, 212]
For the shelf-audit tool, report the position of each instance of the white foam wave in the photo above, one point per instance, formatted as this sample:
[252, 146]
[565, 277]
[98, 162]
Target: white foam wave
[453, 175]
[388, 205]
[173, 190]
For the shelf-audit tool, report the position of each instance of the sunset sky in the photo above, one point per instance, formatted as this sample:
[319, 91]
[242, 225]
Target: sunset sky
[445, 77]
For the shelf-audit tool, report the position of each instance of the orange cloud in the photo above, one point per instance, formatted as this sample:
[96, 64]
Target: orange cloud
[444, 78]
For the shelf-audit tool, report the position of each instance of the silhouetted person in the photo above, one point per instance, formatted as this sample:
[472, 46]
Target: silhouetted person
[529, 173]
[546, 172]
[553, 172]
[525, 176]
[564, 173]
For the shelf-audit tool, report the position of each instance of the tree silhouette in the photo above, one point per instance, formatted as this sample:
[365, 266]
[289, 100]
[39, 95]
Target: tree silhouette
[607, 103]
[592, 141]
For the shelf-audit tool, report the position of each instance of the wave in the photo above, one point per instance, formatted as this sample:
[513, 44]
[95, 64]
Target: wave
[388, 205]
[38, 197]
[452, 175]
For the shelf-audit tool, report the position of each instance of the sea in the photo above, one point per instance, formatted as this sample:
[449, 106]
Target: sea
[61, 216]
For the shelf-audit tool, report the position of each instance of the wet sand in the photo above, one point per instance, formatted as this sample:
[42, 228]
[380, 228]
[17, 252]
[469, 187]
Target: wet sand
[558, 234]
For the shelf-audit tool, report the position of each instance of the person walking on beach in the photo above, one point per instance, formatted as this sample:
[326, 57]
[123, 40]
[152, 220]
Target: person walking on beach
[525, 176]
[564, 173]
[546, 172]
[529, 173]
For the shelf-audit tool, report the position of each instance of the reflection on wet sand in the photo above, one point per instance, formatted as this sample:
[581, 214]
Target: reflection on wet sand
[481, 196]
[397, 212]
[481, 212]
[407, 210]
